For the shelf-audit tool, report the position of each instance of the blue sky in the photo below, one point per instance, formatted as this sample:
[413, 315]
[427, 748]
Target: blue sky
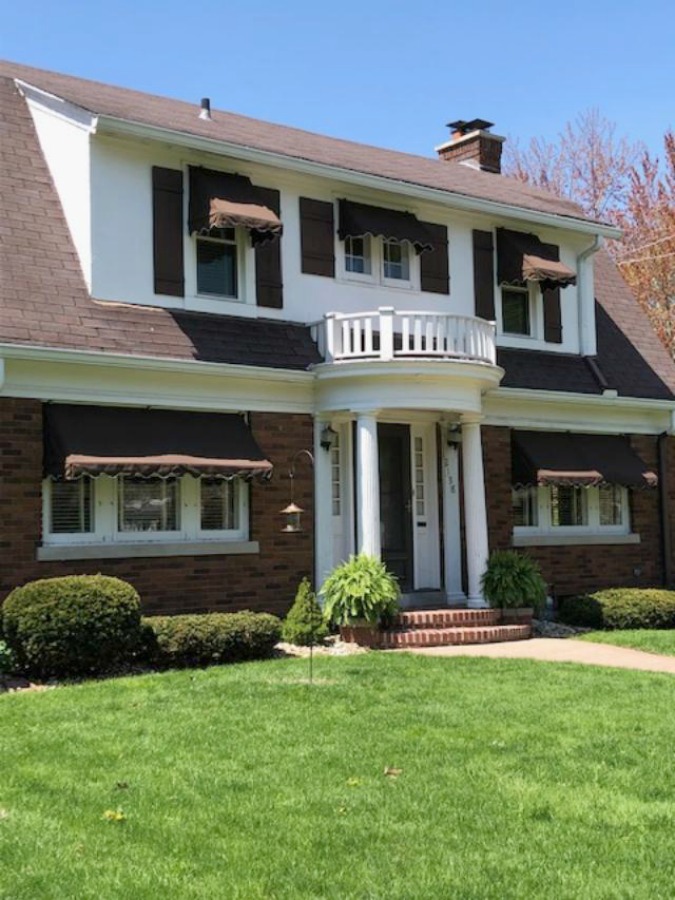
[387, 73]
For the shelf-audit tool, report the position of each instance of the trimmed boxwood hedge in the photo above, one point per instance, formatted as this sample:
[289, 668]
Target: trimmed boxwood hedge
[71, 626]
[619, 608]
[209, 639]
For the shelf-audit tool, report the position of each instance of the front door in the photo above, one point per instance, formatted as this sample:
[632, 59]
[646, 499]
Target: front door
[396, 502]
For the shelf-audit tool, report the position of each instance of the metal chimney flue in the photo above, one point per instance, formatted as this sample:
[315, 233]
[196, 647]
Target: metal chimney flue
[205, 111]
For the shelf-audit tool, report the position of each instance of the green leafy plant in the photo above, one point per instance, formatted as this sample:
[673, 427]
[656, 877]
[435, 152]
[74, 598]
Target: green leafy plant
[513, 580]
[209, 639]
[7, 660]
[304, 624]
[76, 625]
[360, 589]
[619, 608]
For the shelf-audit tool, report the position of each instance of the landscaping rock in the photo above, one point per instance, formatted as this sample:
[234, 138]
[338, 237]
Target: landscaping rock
[544, 628]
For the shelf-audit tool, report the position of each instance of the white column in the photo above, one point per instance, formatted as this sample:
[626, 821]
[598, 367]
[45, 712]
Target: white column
[367, 485]
[452, 543]
[475, 510]
[323, 531]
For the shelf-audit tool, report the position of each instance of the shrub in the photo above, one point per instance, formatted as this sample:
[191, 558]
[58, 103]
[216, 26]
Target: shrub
[304, 624]
[619, 608]
[7, 661]
[77, 625]
[209, 639]
[513, 579]
[360, 589]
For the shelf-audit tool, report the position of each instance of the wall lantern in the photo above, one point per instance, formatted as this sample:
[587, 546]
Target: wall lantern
[328, 438]
[293, 512]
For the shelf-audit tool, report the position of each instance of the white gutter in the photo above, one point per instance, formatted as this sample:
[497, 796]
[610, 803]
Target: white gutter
[569, 397]
[157, 363]
[112, 125]
[588, 342]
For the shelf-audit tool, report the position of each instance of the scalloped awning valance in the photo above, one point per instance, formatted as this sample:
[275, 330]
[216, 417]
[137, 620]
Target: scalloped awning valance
[223, 200]
[109, 440]
[357, 219]
[522, 257]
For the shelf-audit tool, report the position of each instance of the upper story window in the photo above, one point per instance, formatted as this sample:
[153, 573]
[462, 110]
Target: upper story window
[395, 260]
[217, 263]
[358, 255]
[518, 315]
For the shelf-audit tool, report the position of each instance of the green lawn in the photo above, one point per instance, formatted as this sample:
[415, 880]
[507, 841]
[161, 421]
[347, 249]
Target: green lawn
[519, 779]
[651, 640]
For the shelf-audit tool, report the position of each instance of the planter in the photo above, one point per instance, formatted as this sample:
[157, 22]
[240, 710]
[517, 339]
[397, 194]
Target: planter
[365, 634]
[521, 615]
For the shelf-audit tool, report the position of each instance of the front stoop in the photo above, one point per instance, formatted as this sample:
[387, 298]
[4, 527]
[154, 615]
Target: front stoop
[442, 627]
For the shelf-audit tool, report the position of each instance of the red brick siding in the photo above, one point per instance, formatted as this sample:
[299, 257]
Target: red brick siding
[576, 568]
[264, 581]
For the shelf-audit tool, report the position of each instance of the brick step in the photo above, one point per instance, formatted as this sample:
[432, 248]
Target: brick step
[439, 637]
[447, 618]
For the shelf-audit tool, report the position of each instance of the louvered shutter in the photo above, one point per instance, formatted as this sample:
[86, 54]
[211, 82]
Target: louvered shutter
[484, 274]
[317, 237]
[268, 280]
[434, 264]
[167, 231]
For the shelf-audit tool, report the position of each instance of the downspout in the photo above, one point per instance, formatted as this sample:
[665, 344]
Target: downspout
[585, 304]
[666, 542]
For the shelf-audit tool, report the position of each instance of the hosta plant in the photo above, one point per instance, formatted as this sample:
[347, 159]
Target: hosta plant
[513, 580]
[359, 590]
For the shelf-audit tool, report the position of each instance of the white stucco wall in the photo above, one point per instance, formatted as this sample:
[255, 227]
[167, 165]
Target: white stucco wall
[64, 133]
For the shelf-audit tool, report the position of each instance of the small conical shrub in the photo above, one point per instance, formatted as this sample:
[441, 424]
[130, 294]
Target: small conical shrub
[304, 624]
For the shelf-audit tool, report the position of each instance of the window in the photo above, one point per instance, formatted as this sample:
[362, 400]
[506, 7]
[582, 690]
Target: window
[357, 255]
[568, 509]
[375, 260]
[127, 510]
[336, 475]
[217, 266]
[516, 317]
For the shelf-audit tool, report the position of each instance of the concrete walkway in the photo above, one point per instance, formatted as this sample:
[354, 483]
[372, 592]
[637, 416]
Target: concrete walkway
[559, 650]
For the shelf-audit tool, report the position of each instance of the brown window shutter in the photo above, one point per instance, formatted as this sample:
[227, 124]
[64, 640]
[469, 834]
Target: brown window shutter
[268, 282]
[484, 274]
[552, 316]
[167, 231]
[434, 265]
[317, 237]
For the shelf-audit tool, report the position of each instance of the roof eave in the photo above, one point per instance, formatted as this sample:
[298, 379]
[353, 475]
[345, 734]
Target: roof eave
[114, 125]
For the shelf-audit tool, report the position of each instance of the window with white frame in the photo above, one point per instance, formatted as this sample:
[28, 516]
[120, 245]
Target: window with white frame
[520, 312]
[126, 509]
[380, 261]
[218, 263]
[571, 509]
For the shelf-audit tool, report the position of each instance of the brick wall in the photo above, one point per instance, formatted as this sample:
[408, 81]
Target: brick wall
[579, 567]
[264, 581]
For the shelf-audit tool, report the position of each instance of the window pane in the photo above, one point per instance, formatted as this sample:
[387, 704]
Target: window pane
[357, 255]
[216, 267]
[568, 506]
[611, 504]
[219, 507]
[515, 311]
[72, 507]
[147, 504]
[525, 507]
[396, 261]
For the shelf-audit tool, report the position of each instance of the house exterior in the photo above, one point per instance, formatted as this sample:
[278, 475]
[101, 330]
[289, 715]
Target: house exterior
[195, 306]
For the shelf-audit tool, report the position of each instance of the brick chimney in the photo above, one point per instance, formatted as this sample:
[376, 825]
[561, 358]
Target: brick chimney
[473, 144]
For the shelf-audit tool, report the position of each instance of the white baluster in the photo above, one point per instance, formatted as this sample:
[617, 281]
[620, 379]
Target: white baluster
[329, 331]
[386, 333]
[405, 335]
[368, 335]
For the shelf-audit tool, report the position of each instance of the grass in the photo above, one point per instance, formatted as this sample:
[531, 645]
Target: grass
[649, 639]
[518, 779]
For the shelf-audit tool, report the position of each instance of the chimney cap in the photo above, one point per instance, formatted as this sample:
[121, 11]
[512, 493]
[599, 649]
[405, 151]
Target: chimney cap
[465, 126]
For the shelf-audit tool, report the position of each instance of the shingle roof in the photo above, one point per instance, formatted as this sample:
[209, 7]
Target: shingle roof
[44, 299]
[176, 115]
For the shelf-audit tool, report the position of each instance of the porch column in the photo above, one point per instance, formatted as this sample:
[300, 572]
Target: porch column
[452, 442]
[475, 510]
[323, 534]
[367, 485]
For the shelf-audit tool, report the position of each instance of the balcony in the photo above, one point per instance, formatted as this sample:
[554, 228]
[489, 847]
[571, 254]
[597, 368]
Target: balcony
[389, 335]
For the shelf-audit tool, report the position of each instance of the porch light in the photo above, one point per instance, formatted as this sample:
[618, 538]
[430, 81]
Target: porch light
[328, 437]
[293, 512]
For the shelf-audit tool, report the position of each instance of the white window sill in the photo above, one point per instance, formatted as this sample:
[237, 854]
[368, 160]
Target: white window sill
[567, 540]
[137, 550]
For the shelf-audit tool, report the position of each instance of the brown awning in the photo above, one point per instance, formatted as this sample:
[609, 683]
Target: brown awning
[107, 440]
[357, 219]
[522, 257]
[585, 460]
[221, 200]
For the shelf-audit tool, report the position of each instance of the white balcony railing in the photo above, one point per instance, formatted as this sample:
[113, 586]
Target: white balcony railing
[387, 334]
